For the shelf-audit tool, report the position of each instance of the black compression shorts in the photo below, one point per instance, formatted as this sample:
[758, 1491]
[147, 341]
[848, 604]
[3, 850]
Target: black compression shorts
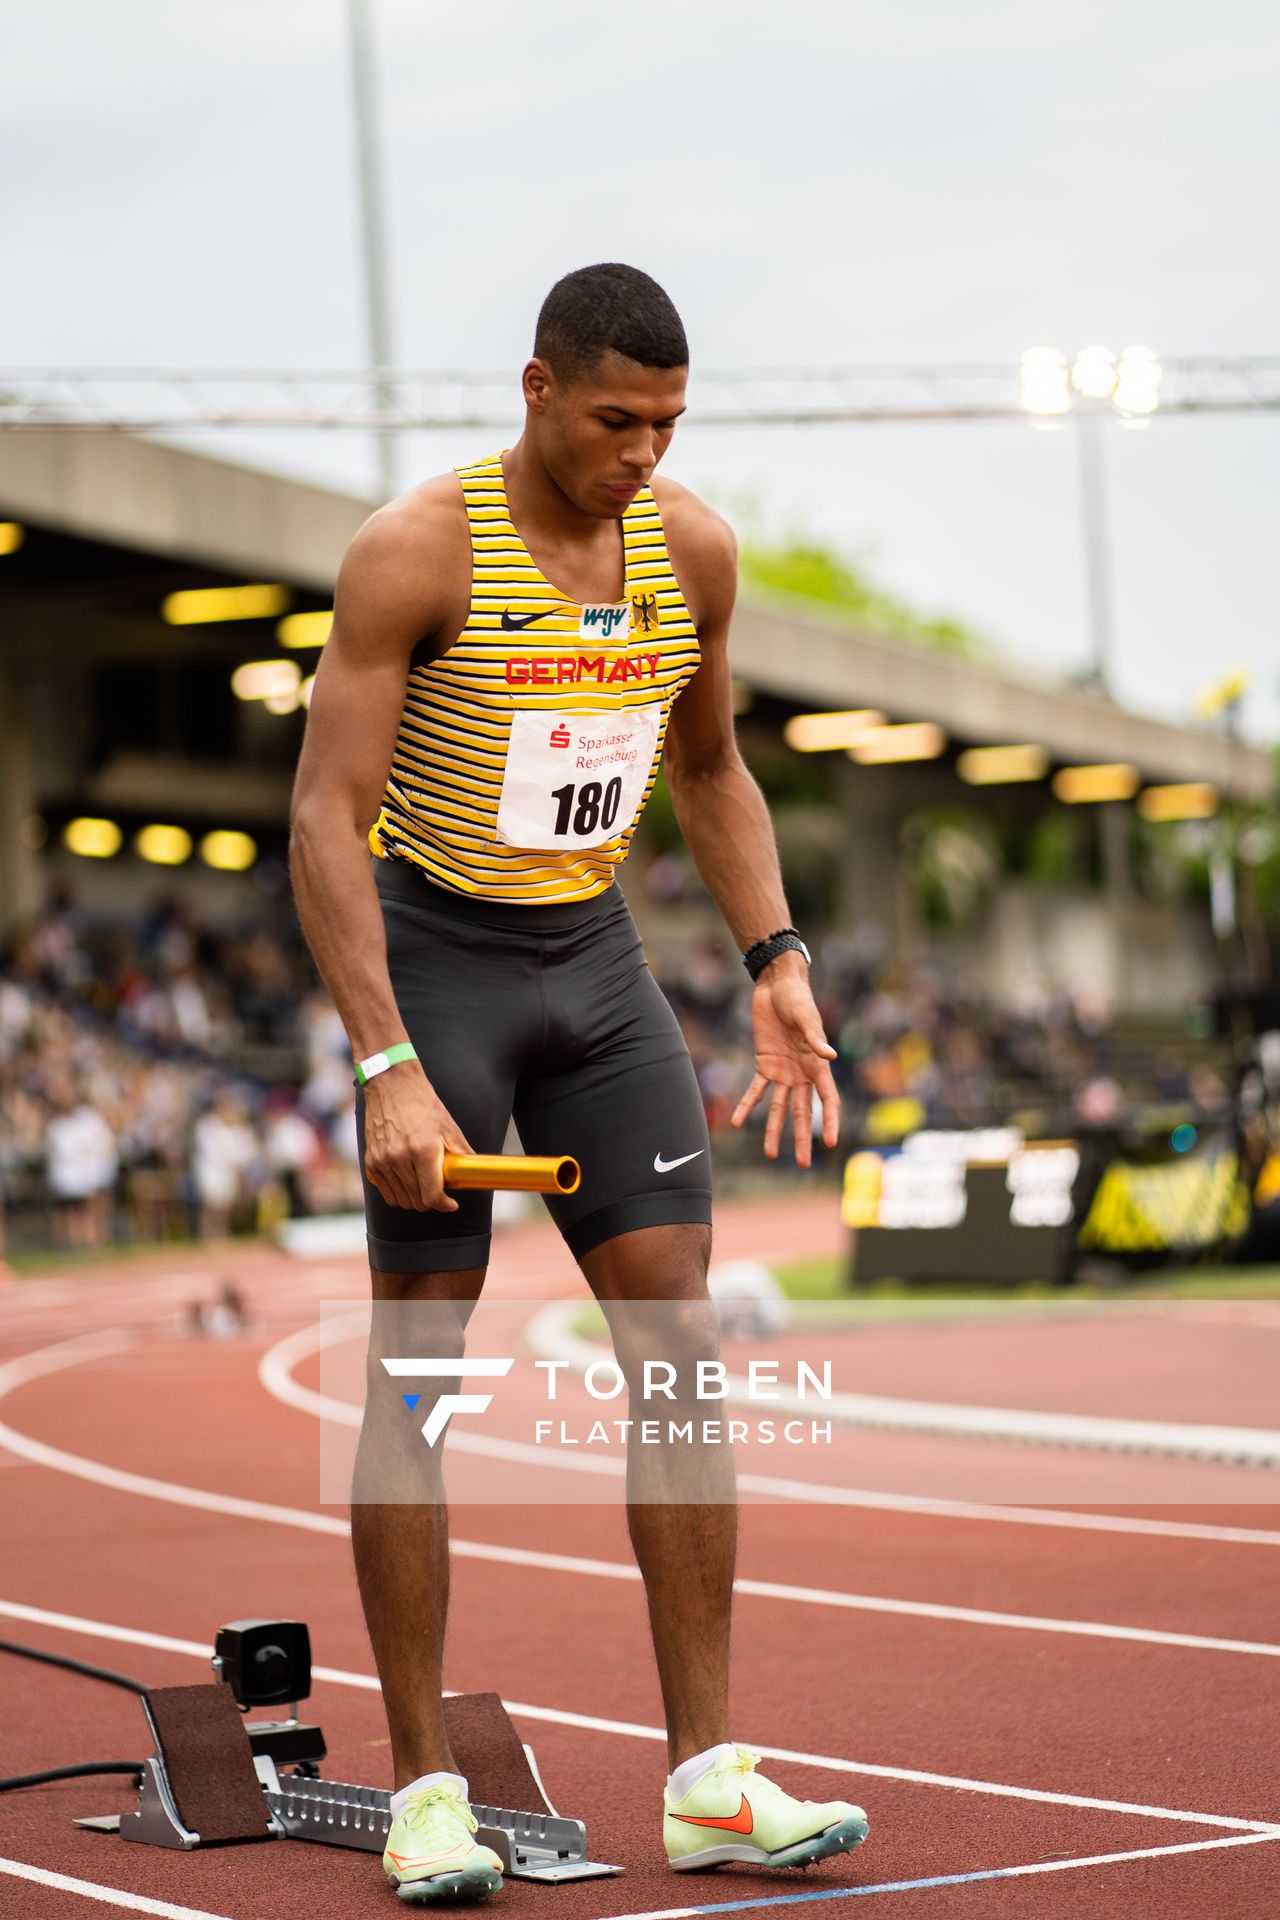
[550, 1014]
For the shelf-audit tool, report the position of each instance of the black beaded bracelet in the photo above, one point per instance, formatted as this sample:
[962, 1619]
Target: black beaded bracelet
[786, 940]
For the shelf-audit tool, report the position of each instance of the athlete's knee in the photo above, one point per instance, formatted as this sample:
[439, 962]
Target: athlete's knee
[426, 1321]
[660, 1344]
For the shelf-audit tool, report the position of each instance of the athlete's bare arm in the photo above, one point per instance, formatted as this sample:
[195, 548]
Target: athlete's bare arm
[722, 814]
[404, 583]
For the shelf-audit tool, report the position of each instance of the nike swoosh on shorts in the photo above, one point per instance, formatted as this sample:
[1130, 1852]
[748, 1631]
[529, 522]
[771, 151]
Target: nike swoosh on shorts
[665, 1166]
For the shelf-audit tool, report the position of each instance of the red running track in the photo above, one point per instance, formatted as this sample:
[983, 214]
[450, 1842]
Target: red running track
[919, 1717]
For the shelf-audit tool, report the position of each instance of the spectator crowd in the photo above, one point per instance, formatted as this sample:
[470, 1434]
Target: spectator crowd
[166, 1078]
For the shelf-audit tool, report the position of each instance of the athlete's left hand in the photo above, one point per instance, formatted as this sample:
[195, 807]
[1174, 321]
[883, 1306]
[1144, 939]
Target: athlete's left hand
[793, 1056]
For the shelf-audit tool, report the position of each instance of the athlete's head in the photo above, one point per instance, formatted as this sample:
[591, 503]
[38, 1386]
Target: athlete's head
[606, 384]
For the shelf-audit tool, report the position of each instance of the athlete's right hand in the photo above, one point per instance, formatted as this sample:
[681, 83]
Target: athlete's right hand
[407, 1132]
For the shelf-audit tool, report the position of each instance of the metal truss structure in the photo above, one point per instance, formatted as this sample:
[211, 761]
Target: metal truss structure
[400, 400]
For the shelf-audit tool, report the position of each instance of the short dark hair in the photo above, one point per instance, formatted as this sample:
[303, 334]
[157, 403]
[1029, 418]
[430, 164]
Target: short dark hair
[610, 307]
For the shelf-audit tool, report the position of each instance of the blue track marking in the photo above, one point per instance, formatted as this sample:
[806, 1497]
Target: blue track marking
[957, 1879]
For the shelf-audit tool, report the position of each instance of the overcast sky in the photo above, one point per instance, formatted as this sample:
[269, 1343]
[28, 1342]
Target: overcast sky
[814, 184]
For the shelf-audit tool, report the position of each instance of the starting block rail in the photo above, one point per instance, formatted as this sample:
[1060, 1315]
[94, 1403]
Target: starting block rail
[531, 1846]
[206, 1784]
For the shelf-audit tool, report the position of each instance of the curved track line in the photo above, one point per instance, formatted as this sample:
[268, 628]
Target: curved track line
[550, 1334]
[70, 1353]
[82, 1348]
[275, 1371]
[636, 1730]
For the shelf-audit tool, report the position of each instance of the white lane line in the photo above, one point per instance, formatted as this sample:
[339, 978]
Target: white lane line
[161, 1642]
[637, 1730]
[550, 1334]
[952, 1879]
[275, 1371]
[873, 1603]
[81, 1348]
[107, 1896]
[73, 1352]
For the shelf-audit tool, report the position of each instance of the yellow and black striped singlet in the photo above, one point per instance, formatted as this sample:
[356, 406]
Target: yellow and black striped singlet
[527, 648]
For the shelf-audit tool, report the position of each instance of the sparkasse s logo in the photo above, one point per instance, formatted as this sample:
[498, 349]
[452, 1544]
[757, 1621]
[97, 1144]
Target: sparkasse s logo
[448, 1403]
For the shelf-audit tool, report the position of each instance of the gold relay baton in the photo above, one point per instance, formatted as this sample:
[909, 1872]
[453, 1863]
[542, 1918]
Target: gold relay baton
[512, 1172]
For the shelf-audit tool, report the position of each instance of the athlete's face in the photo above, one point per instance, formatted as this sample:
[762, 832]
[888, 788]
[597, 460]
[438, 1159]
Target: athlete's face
[601, 436]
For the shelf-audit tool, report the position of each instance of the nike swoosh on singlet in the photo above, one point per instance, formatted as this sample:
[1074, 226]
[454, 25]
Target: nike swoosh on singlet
[516, 622]
[664, 1166]
[739, 1823]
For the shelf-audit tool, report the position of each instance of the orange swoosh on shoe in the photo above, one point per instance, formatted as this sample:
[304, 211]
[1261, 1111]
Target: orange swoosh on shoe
[740, 1822]
[403, 1859]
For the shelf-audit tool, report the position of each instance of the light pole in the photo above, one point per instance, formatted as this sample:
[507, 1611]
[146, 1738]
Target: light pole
[373, 239]
[1098, 386]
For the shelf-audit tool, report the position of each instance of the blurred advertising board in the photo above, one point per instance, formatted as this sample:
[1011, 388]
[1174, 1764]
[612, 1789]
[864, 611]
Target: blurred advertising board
[989, 1205]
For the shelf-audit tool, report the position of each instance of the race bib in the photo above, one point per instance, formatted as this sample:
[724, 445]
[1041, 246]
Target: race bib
[575, 780]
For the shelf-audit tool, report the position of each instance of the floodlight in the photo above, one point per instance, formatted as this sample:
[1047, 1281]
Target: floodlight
[1137, 388]
[228, 851]
[305, 629]
[1046, 382]
[1000, 766]
[163, 846]
[198, 605]
[1187, 800]
[266, 680]
[825, 732]
[1094, 373]
[917, 740]
[92, 839]
[1114, 780]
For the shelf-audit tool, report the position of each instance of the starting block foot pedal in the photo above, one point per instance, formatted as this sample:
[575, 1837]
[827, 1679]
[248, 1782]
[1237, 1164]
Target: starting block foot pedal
[200, 1786]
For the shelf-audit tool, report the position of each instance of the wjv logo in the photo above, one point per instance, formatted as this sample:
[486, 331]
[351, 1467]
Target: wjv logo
[605, 621]
[448, 1403]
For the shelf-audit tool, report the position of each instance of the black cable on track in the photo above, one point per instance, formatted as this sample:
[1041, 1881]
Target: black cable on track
[135, 1767]
[73, 1666]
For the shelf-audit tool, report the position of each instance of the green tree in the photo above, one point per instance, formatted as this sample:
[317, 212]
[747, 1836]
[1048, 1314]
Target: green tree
[800, 567]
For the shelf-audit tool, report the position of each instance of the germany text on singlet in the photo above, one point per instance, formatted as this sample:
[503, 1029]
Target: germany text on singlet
[526, 753]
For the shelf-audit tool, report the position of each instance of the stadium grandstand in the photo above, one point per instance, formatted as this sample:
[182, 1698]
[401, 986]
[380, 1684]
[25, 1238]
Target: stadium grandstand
[170, 1064]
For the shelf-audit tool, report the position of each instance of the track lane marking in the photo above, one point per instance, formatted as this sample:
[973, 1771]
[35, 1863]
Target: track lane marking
[91, 1346]
[952, 1879]
[108, 1896]
[637, 1730]
[84, 1347]
[551, 1335]
[275, 1372]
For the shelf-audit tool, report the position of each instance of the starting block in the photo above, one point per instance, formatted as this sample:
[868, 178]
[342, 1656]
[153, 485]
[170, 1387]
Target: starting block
[205, 1784]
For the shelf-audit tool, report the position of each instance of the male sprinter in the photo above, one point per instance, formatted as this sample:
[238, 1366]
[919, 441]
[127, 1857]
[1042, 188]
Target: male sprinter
[499, 689]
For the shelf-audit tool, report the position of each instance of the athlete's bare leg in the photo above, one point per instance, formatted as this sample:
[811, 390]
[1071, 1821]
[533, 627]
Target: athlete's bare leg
[399, 1521]
[681, 1502]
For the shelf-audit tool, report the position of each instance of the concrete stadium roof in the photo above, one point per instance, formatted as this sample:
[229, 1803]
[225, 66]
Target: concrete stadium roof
[150, 497]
